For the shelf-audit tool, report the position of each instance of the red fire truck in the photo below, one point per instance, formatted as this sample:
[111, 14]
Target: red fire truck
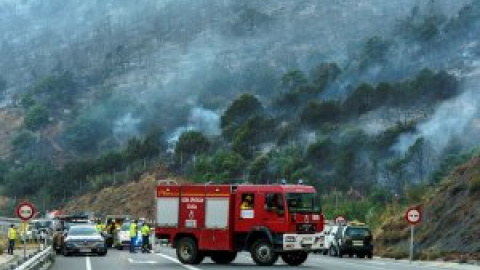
[220, 220]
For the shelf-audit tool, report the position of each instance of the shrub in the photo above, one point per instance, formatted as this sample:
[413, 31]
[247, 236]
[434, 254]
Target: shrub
[475, 183]
[36, 117]
[3, 241]
[457, 188]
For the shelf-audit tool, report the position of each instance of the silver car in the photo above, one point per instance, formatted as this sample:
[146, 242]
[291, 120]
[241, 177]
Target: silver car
[84, 239]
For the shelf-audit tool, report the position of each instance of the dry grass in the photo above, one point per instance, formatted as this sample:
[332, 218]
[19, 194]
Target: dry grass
[394, 253]
[135, 198]
[474, 185]
[3, 243]
[457, 188]
[431, 254]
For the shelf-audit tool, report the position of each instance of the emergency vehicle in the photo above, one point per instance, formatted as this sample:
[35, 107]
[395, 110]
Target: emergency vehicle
[216, 221]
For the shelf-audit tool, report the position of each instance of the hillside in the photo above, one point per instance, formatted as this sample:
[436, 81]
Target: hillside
[451, 220]
[136, 198]
[345, 95]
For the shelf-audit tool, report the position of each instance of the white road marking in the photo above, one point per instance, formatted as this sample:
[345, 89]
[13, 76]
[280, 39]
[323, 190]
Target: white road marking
[189, 267]
[132, 261]
[89, 264]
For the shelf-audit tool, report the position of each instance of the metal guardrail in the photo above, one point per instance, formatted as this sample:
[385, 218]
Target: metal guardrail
[38, 261]
[6, 222]
[41, 259]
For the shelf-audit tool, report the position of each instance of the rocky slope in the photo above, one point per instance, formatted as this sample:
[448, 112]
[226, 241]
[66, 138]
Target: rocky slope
[135, 198]
[451, 220]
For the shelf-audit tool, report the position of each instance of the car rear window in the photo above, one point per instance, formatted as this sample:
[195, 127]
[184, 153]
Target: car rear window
[357, 232]
[82, 231]
[42, 224]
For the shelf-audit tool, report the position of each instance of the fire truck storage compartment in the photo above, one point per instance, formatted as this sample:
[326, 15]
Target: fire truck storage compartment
[217, 213]
[167, 218]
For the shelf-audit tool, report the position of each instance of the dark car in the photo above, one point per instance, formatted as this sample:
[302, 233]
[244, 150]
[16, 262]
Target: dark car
[42, 228]
[84, 239]
[62, 225]
[352, 240]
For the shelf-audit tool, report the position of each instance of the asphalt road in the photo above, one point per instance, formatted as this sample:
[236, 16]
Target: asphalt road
[165, 259]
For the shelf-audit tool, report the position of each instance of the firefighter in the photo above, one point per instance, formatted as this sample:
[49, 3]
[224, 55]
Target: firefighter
[100, 226]
[133, 235]
[247, 202]
[145, 230]
[12, 237]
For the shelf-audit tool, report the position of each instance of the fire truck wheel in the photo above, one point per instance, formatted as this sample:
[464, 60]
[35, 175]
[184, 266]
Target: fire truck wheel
[263, 253]
[294, 258]
[223, 257]
[187, 251]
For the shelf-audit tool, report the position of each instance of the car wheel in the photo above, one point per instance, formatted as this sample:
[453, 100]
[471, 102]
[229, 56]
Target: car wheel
[370, 255]
[339, 253]
[263, 253]
[325, 252]
[65, 252]
[295, 258]
[102, 253]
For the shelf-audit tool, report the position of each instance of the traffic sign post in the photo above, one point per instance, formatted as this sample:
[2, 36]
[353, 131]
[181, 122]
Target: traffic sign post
[413, 215]
[25, 211]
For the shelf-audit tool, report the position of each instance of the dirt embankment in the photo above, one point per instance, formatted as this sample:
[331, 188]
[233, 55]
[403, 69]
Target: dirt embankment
[136, 199]
[450, 224]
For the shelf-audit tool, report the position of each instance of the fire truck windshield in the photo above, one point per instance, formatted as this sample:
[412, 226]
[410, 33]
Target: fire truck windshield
[302, 203]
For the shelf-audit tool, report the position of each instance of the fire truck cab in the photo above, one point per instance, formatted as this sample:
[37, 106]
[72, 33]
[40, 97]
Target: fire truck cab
[220, 220]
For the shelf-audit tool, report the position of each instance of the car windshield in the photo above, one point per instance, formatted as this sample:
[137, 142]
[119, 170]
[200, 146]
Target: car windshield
[82, 231]
[302, 203]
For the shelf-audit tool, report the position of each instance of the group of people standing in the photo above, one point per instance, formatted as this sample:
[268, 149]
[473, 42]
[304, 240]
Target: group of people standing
[145, 232]
[133, 232]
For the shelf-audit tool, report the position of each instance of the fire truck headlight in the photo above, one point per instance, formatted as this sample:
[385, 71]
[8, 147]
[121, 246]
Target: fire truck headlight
[290, 239]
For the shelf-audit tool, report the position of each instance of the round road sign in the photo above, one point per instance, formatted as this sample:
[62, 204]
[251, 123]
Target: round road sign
[413, 215]
[25, 211]
[340, 220]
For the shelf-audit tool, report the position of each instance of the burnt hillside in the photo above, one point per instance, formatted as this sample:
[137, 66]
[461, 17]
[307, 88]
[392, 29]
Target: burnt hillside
[451, 220]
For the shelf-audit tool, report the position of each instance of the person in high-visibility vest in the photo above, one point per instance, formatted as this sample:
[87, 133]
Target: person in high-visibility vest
[12, 236]
[100, 227]
[133, 235]
[145, 230]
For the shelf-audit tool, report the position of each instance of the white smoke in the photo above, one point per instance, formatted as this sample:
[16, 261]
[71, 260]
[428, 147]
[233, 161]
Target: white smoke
[206, 121]
[125, 128]
[451, 120]
[200, 119]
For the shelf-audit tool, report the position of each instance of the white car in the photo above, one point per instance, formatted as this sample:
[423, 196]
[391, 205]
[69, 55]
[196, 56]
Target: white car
[121, 237]
[330, 232]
